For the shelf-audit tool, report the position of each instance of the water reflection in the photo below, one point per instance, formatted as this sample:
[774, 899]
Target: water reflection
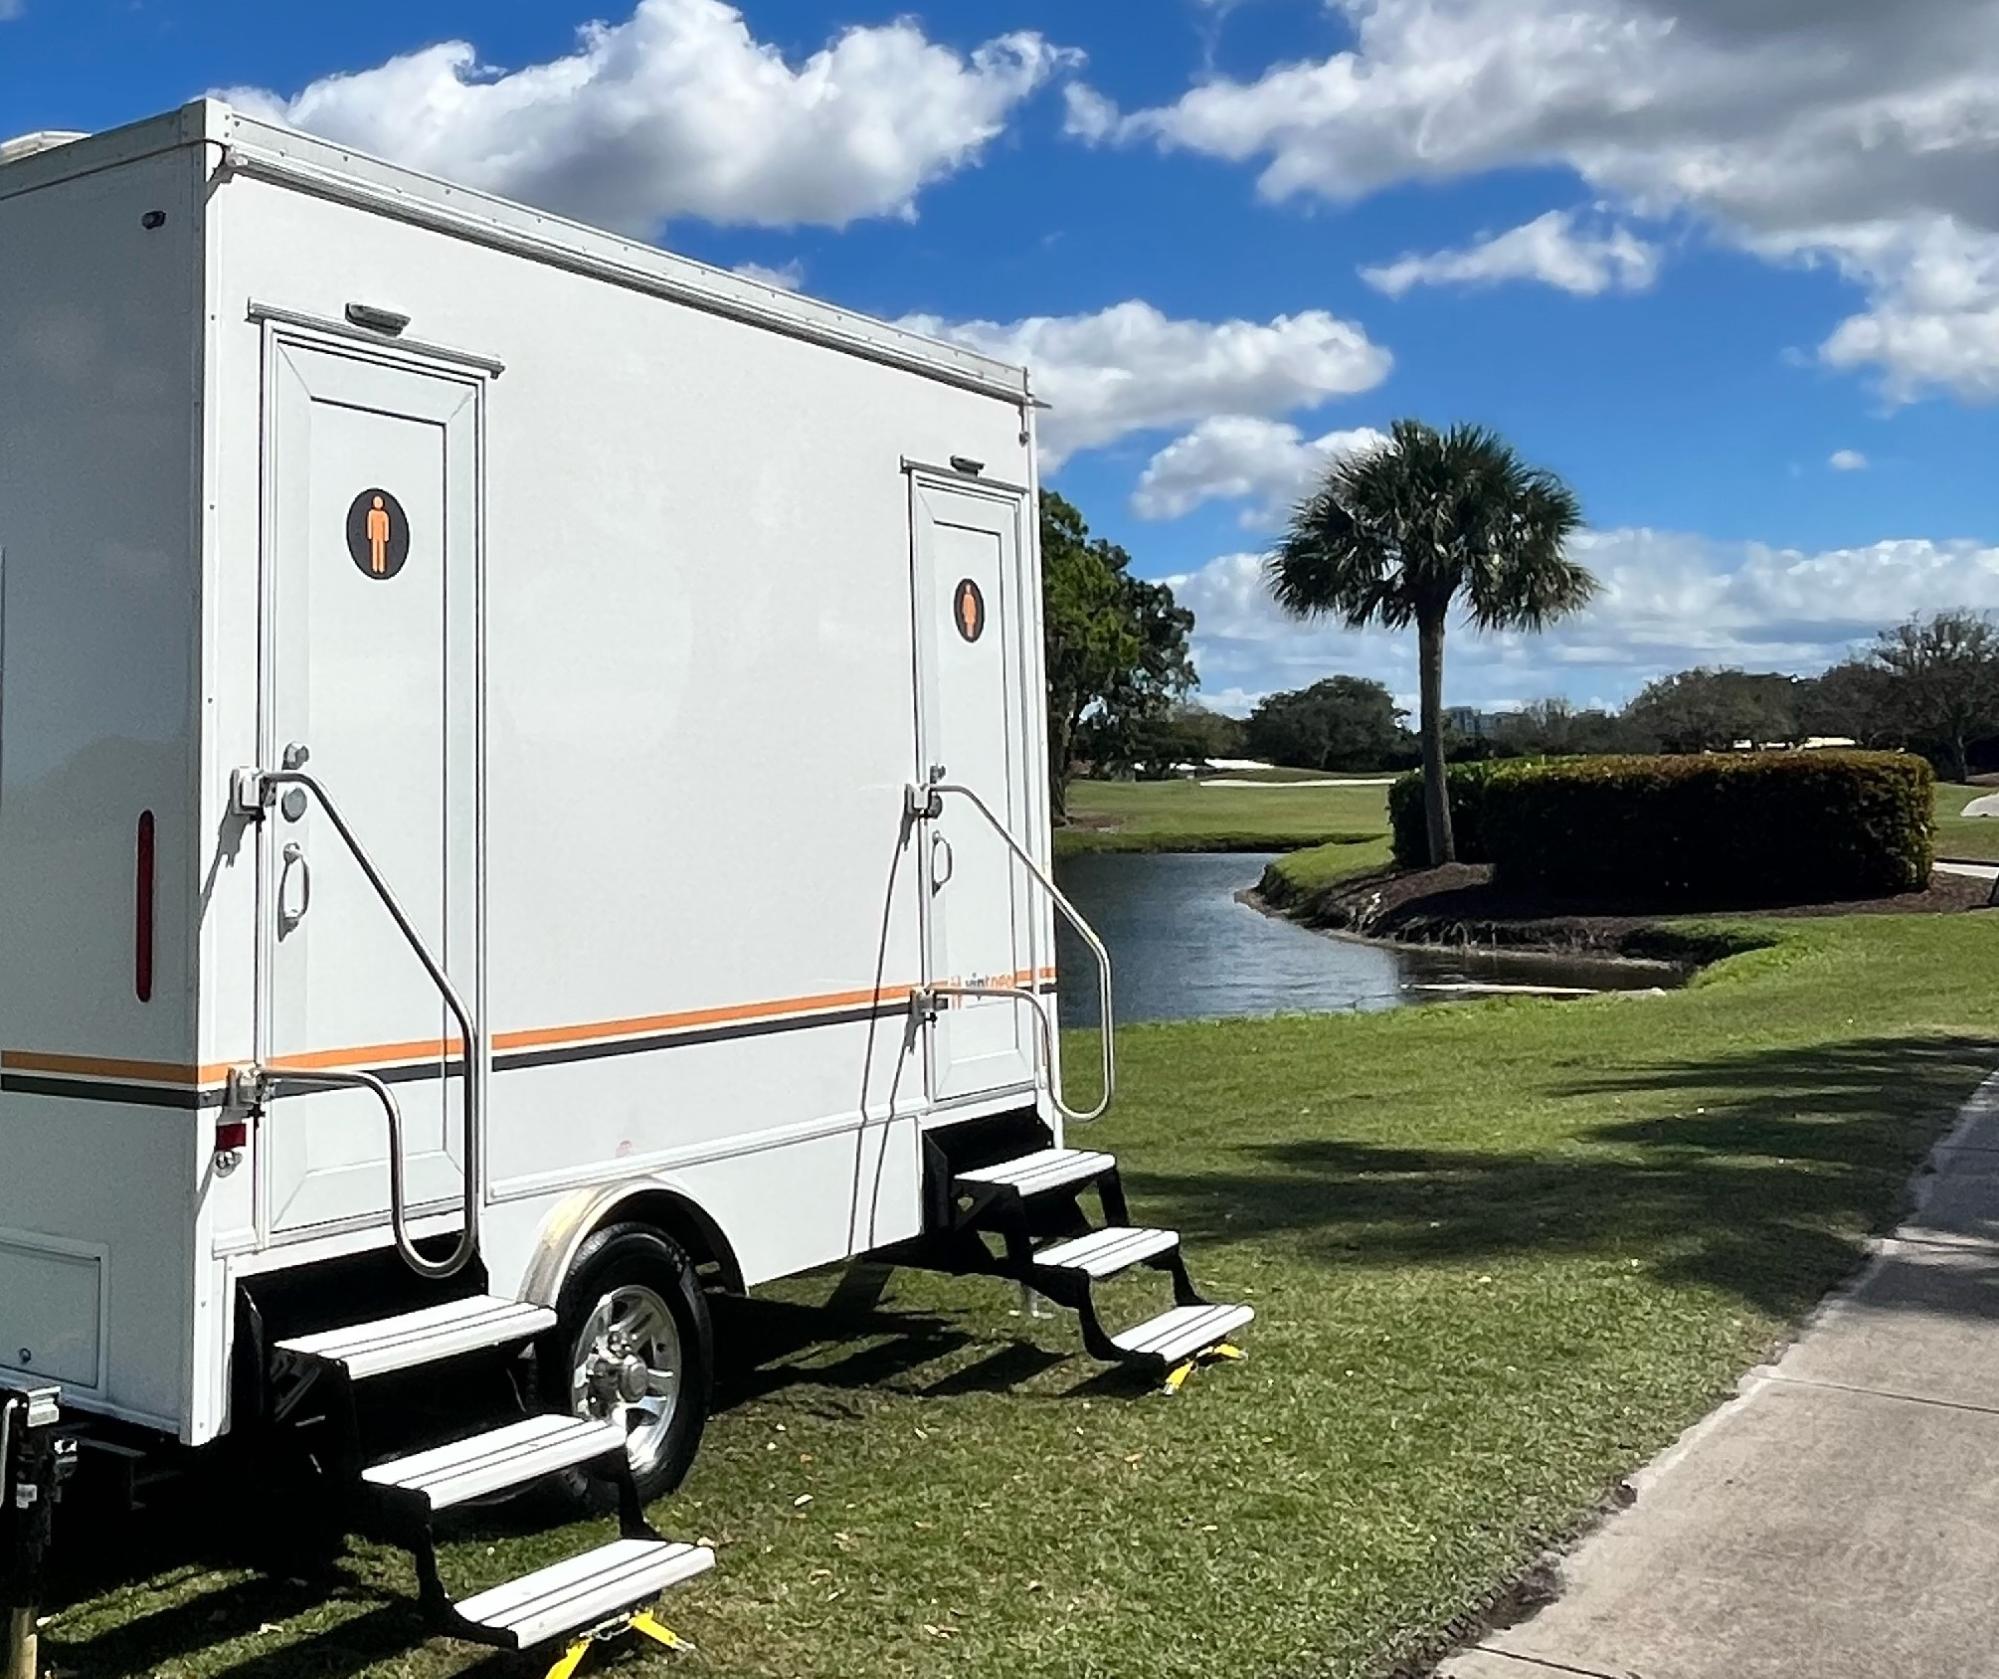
[1184, 948]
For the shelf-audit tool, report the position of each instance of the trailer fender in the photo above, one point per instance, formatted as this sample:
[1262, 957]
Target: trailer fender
[570, 1223]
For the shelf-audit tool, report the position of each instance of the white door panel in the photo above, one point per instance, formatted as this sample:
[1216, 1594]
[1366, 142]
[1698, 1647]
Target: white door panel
[970, 625]
[371, 636]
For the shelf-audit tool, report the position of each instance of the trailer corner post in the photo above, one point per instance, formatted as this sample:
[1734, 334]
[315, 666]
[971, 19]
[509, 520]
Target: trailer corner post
[34, 1462]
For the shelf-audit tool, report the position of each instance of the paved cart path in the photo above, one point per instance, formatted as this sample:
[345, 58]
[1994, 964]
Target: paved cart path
[1839, 1519]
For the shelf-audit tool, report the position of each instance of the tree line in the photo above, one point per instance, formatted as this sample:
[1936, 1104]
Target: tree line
[1928, 685]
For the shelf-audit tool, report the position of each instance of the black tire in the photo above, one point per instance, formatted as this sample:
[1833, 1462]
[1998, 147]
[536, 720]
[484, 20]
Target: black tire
[637, 1257]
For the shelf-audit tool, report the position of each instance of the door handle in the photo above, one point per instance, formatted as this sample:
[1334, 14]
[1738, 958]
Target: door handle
[294, 862]
[943, 862]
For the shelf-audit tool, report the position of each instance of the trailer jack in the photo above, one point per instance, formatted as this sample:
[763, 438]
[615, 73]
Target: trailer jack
[34, 1464]
[643, 1622]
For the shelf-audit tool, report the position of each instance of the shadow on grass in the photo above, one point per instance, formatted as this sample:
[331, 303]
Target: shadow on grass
[1757, 1174]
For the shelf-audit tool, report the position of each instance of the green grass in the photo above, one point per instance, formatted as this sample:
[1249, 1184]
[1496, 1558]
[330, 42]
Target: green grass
[1185, 816]
[1502, 1254]
[1966, 838]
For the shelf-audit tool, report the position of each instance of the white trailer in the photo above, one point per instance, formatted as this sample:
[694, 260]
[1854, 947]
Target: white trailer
[470, 679]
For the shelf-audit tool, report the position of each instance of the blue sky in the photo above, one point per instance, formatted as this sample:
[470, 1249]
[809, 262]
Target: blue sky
[1730, 266]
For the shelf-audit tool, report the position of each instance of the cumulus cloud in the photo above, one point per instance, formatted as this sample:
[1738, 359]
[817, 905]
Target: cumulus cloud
[1841, 131]
[1131, 368]
[1669, 601]
[1238, 457]
[1550, 249]
[1847, 460]
[787, 276]
[681, 111]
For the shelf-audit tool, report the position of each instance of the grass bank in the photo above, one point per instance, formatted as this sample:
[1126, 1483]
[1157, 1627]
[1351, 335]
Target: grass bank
[1967, 838]
[1186, 816]
[1502, 1253]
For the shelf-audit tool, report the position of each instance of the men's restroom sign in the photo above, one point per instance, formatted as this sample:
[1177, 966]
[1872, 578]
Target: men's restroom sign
[968, 608]
[378, 534]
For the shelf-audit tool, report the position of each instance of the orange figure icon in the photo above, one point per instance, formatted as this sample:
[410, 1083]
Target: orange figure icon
[968, 609]
[378, 537]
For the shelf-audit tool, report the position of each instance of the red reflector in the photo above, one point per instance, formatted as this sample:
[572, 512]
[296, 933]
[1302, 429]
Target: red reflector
[231, 1134]
[142, 928]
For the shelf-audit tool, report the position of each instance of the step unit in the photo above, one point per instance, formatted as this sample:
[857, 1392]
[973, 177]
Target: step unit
[1021, 1201]
[1043, 1172]
[430, 1336]
[1180, 1333]
[1106, 1253]
[500, 1460]
[398, 1498]
[580, 1593]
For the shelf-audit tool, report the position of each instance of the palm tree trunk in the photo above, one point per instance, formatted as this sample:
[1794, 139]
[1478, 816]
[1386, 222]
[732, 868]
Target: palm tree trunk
[1436, 790]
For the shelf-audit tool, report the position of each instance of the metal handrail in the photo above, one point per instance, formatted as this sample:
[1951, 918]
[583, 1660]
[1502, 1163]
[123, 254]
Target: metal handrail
[256, 788]
[926, 802]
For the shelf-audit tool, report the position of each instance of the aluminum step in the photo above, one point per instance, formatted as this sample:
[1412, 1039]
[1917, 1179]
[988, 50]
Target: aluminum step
[498, 1460]
[1179, 1334]
[425, 1337]
[1104, 1253]
[573, 1596]
[1046, 1170]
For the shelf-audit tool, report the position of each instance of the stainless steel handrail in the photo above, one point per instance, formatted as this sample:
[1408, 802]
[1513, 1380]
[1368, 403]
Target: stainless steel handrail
[276, 1078]
[257, 795]
[925, 802]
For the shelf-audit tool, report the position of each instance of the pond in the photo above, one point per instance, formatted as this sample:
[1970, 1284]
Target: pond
[1183, 947]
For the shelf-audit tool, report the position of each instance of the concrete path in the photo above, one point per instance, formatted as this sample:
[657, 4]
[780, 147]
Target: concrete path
[1970, 871]
[1839, 1520]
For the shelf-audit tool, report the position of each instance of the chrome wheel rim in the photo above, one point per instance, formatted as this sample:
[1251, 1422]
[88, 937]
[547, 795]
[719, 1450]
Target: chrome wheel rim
[625, 1368]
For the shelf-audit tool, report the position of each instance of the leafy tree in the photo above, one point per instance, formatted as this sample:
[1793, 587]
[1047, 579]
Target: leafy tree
[1342, 723]
[1117, 649]
[1400, 534]
[1850, 701]
[1553, 728]
[1711, 710]
[1942, 682]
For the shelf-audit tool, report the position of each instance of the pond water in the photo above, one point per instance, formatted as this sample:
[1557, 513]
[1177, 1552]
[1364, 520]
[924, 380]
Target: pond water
[1183, 947]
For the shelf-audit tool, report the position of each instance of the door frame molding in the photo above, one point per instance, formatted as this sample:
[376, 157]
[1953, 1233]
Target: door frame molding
[1015, 503]
[280, 331]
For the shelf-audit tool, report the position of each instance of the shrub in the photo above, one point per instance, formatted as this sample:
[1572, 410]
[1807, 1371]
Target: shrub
[1467, 784]
[1776, 828]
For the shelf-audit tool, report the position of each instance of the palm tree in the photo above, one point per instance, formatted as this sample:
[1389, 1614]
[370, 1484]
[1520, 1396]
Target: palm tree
[1396, 534]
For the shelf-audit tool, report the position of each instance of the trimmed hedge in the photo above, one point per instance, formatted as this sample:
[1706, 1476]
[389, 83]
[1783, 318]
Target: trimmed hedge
[1467, 784]
[1800, 827]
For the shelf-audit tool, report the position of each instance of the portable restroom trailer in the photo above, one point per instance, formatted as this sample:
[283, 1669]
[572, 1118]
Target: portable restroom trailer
[522, 800]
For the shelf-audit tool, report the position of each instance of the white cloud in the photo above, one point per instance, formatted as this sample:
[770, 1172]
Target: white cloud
[680, 110]
[1131, 368]
[1669, 601]
[11, 9]
[787, 276]
[1848, 131]
[1847, 460]
[1550, 249]
[1238, 457]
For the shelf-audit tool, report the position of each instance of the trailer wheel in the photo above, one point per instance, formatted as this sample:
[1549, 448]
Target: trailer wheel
[634, 1345]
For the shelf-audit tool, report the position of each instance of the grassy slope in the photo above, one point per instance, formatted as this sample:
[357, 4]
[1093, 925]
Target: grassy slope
[1973, 838]
[1186, 816]
[1502, 1254]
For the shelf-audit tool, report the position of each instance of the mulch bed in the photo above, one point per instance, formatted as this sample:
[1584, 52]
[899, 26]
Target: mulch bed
[1461, 904]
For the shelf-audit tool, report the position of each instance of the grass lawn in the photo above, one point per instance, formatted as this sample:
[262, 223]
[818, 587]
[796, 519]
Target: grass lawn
[1186, 816]
[1502, 1253]
[1966, 838]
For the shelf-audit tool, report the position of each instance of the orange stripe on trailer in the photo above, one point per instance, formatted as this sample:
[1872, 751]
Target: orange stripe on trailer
[423, 1049]
[97, 1066]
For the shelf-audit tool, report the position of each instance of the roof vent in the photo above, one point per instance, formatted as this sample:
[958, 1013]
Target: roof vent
[12, 151]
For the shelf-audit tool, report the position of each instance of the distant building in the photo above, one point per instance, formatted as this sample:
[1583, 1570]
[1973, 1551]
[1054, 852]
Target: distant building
[1473, 724]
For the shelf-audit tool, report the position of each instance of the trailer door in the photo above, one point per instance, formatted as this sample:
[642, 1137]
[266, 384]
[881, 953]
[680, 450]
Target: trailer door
[370, 640]
[973, 707]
